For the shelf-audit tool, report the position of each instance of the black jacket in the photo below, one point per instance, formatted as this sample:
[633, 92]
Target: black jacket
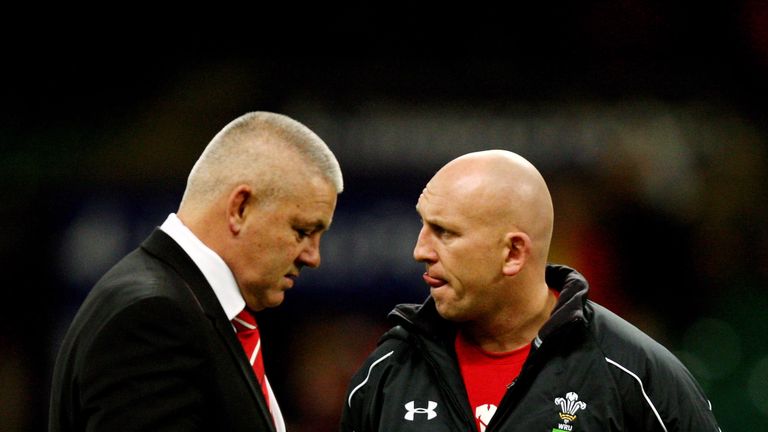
[151, 349]
[588, 370]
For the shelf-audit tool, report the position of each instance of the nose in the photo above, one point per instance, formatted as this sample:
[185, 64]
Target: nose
[423, 251]
[310, 254]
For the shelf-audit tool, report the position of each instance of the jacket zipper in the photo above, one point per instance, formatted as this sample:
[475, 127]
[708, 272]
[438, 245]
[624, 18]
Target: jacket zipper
[445, 388]
[510, 399]
[504, 406]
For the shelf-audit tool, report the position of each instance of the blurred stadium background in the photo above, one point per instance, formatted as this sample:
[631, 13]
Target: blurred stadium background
[648, 119]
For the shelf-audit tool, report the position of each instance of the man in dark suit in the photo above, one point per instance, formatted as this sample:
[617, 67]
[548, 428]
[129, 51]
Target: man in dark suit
[154, 346]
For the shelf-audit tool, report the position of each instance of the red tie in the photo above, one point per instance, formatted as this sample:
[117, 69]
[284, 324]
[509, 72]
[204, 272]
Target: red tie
[248, 333]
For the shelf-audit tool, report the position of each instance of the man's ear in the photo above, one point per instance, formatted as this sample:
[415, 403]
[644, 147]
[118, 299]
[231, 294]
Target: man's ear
[237, 207]
[517, 247]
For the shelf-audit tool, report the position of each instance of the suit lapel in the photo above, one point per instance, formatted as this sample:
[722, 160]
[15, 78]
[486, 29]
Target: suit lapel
[162, 246]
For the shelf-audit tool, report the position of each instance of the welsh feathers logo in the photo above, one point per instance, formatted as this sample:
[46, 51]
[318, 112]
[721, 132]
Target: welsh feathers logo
[569, 405]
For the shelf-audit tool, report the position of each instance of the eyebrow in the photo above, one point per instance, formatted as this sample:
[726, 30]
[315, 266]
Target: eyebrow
[317, 225]
[433, 221]
[321, 226]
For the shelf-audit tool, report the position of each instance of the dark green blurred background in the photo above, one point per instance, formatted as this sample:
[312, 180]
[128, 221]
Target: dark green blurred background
[648, 120]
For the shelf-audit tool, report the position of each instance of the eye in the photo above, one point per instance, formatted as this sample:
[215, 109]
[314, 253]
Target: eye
[440, 231]
[302, 233]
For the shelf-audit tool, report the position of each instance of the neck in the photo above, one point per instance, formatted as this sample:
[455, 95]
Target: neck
[514, 325]
[204, 227]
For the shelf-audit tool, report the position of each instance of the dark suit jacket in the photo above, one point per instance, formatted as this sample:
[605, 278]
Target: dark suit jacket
[151, 349]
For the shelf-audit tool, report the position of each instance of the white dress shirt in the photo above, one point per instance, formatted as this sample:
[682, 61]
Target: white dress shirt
[221, 279]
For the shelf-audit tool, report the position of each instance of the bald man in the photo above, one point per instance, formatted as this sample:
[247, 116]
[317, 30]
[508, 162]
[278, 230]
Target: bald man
[156, 346]
[505, 341]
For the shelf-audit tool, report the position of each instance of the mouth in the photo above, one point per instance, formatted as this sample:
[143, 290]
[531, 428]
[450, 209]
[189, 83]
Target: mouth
[291, 279]
[433, 281]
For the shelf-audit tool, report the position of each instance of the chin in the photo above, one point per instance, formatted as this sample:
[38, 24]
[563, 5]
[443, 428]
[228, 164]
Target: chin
[451, 312]
[444, 311]
[274, 300]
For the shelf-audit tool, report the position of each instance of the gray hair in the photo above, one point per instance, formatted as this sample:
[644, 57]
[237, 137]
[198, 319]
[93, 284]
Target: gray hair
[249, 150]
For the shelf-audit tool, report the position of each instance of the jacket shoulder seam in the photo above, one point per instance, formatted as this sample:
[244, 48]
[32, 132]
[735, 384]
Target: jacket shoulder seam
[642, 389]
[368, 375]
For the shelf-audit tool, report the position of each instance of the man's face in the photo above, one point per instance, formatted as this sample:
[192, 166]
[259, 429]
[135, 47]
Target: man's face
[462, 251]
[280, 237]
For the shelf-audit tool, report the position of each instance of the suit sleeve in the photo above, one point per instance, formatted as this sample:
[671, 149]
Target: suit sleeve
[142, 371]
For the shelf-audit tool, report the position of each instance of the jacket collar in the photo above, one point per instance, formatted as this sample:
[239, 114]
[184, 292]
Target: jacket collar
[572, 286]
[163, 247]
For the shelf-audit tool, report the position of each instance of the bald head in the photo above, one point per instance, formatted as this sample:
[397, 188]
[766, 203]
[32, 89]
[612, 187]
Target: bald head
[486, 228]
[501, 189]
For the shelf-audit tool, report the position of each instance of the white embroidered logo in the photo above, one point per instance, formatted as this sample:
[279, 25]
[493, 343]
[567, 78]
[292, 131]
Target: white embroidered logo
[569, 405]
[483, 414]
[412, 410]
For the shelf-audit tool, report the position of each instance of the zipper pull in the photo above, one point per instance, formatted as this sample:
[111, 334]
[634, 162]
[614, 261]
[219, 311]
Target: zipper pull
[509, 386]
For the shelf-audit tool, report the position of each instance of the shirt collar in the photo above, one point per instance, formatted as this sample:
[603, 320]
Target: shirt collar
[215, 270]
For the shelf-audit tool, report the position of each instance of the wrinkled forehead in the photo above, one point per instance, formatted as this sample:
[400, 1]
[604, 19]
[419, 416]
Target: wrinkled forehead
[424, 201]
[433, 199]
[481, 197]
[457, 198]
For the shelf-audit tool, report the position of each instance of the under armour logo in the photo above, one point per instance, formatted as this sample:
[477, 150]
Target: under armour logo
[412, 410]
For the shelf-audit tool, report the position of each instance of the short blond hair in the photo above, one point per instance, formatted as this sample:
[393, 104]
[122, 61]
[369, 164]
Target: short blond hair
[246, 150]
